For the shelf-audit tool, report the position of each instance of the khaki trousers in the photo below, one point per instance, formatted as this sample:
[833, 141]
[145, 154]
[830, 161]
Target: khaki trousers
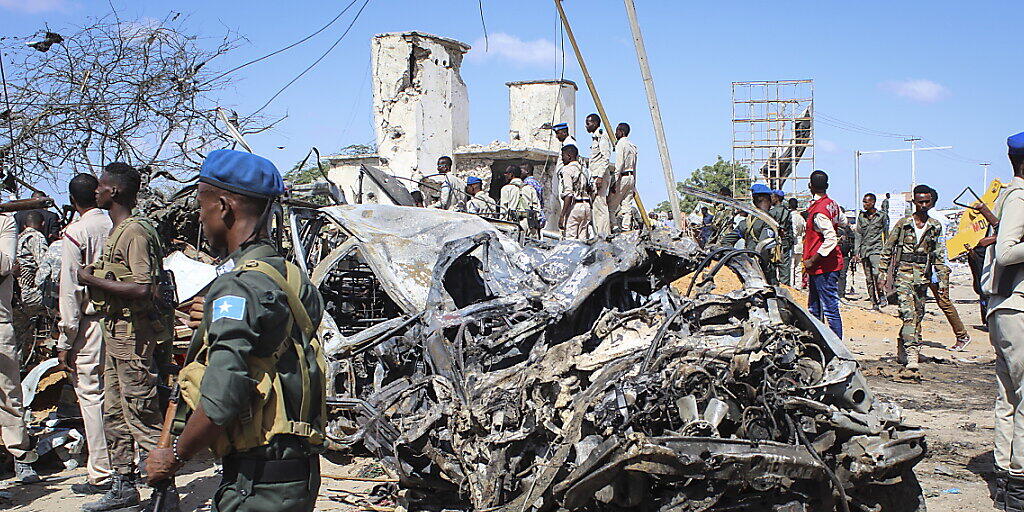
[131, 411]
[941, 292]
[86, 361]
[12, 408]
[602, 217]
[1006, 332]
[578, 223]
[623, 203]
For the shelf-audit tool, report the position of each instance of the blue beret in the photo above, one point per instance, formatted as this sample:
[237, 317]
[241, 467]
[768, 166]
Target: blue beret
[760, 188]
[1016, 144]
[560, 126]
[473, 180]
[779, 193]
[242, 173]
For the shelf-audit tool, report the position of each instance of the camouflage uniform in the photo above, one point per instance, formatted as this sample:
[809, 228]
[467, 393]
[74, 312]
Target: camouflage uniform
[913, 275]
[31, 248]
[868, 242]
[757, 232]
[782, 268]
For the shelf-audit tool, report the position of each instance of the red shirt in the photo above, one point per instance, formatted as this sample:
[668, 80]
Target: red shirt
[813, 239]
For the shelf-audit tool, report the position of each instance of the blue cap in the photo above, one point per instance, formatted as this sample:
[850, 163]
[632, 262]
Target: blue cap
[760, 188]
[779, 193]
[242, 173]
[560, 126]
[1016, 144]
[473, 180]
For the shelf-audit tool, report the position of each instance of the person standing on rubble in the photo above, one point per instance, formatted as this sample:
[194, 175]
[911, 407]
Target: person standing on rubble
[13, 430]
[259, 317]
[821, 255]
[781, 215]
[910, 253]
[520, 200]
[451, 197]
[1003, 281]
[479, 202]
[574, 218]
[562, 134]
[868, 242]
[622, 202]
[600, 167]
[80, 342]
[136, 319]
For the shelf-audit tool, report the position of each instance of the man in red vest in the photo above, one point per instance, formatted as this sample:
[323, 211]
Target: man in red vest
[822, 258]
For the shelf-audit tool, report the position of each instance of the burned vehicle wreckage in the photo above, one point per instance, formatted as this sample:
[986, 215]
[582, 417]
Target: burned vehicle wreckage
[491, 374]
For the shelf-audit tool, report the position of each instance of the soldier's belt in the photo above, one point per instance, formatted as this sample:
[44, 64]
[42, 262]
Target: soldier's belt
[914, 258]
[269, 471]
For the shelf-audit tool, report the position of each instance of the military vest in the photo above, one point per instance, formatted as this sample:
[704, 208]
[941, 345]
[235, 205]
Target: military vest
[267, 416]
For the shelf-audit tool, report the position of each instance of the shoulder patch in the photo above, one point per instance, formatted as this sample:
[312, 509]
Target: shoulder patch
[228, 306]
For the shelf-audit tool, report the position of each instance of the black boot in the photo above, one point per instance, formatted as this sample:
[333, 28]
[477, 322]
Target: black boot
[1014, 496]
[91, 488]
[1000, 478]
[122, 496]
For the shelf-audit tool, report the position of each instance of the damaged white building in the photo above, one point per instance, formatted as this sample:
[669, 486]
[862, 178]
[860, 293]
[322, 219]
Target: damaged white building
[421, 112]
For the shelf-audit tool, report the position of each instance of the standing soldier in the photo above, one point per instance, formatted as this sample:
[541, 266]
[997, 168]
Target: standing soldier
[622, 202]
[600, 167]
[780, 213]
[1003, 281]
[910, 252]
[125, 288]
[479, 202]
[867, 248]
[80, 344]
[574, 218]
[258, 321]
[451, 197]
[31, 249]
[756, 234]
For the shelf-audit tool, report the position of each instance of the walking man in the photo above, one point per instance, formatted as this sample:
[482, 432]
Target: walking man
[80, 344]
[622, 202]
[600, 167]
[259, 317]
[912, 248]
[822, 258]
[1003, 281]
[135, 321]
[868, 243]
[574, 219]
[939, 285]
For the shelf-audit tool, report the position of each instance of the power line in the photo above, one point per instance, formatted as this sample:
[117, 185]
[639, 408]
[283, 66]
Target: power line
[317, 61]
[293, 45]
[851, 127]
[483, 23]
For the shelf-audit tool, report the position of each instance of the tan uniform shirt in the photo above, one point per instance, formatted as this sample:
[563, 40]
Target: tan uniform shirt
[8, 247]
[135, 338]
[82, 245]
[572, 181]
[625, 156]
[517, 194]
[600, 160]
[480, 204]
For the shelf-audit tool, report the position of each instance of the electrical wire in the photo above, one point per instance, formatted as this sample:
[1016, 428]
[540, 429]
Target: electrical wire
[317, 61]
[286, 48]
[852, 127]
[483, 23]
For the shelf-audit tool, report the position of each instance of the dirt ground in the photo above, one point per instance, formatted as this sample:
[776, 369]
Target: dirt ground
[954, 402]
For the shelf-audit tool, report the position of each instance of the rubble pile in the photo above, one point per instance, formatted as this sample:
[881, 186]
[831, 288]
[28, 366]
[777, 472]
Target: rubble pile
[576, 377]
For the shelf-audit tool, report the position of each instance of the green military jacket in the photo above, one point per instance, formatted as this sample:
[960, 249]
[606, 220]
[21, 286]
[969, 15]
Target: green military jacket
[247, 314]
[917, 258]
[751, 232]
[870, 233]
[782, 216]
[722, 223]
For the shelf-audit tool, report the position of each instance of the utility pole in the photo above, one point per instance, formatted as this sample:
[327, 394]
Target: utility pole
[652, 103]
[913, 161]
[608, 129]
[984, 179]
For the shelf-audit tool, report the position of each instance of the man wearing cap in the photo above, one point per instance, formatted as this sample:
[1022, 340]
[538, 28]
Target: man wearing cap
[821, 256]
[1003, 280]
[257, 322]
[574, 218]
[562, 134]
[135, 320]
[781, 215]
[869, 239]
[479, 203]
[600, 167]
[756, 234]
[622, 203]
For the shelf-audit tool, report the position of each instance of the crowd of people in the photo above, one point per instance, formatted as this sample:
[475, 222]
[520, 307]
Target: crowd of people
[595, 196]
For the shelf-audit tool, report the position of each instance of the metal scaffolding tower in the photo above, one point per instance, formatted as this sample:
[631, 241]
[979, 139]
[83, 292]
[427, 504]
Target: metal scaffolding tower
[772, 134]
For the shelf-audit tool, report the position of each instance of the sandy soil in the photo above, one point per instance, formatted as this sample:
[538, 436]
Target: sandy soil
[954, 402]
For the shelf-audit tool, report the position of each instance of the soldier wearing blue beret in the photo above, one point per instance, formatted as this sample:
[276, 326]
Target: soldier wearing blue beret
[257, 324]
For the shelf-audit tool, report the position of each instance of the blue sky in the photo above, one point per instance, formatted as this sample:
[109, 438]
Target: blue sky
[943, 70]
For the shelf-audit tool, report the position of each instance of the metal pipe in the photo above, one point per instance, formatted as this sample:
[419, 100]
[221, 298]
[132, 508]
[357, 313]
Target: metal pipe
[652, 102]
